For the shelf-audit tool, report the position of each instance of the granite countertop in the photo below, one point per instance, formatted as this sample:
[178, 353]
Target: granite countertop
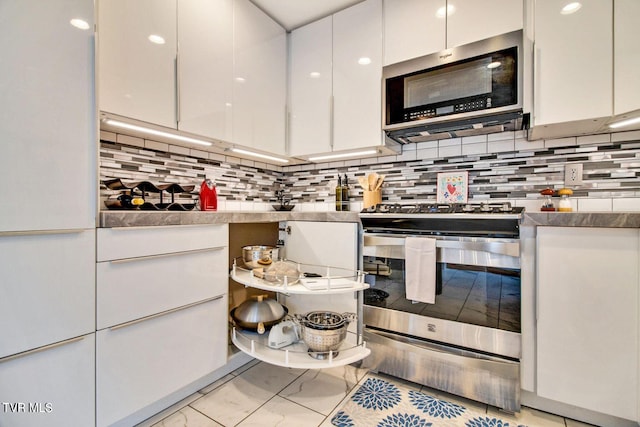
[112, 219]
[115, 218]
[583, 219]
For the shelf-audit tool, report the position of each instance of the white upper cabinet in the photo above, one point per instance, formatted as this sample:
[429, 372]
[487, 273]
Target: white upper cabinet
[48, 119]
[205, 67]
[357, 76]
[573, 63]
[259, 79]
[311, 88]
[472, 20]
[626, 56]
[137, 59]
[414, 28]
[336, 74]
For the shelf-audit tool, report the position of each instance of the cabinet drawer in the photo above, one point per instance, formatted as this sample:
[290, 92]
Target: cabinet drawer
[56, 385]
[48, 289]
[139, 363]
[137, 287]
[120, 243]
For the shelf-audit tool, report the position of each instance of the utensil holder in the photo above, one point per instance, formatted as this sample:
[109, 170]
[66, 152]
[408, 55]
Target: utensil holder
[371, 198]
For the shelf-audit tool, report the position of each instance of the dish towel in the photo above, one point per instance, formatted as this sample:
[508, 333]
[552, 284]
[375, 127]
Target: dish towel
[420, 269]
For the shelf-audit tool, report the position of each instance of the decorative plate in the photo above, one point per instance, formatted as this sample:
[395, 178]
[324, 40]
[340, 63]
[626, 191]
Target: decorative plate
[453, 187]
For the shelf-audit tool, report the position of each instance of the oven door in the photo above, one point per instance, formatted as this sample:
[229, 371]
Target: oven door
[477, 304]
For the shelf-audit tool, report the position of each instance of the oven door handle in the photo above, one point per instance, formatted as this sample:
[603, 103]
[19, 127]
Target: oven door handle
[510, 248]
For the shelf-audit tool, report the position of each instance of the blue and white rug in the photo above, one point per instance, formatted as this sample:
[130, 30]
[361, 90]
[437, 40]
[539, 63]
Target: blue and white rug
[381, 403]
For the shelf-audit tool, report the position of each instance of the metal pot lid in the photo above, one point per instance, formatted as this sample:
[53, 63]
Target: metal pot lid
[259, 309]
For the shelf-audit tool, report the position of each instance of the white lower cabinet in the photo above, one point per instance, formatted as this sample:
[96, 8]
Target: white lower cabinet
[142, 362]
[48, 289]
[161, 316]
[587, 318]
[51, 386]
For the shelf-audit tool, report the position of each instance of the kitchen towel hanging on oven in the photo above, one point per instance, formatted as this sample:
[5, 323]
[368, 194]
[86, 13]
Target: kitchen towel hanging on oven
[420, 265]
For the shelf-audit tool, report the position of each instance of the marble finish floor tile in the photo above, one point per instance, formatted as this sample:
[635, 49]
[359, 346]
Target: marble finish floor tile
[323, 389]
[187, 416]
[528, 417]
[282, 413]
[238, 398]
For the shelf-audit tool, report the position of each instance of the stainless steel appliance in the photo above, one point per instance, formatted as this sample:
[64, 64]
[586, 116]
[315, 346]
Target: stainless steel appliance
[472, 89]
[468, 342]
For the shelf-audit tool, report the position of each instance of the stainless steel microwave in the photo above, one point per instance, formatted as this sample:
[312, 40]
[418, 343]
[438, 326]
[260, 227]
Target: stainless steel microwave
[480, 79]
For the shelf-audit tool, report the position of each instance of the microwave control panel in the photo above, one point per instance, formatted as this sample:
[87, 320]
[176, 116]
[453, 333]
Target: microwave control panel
[475, 105]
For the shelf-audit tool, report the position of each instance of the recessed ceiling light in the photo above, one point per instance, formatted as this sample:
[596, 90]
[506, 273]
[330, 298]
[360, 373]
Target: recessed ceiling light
[314, 74]
[240, 79]
[570, 8]
[80, 23]
[448, 11]
[154, 38]
[495, 64]
[365, 60]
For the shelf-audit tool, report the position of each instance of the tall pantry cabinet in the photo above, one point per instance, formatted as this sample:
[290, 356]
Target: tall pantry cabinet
[47, 214]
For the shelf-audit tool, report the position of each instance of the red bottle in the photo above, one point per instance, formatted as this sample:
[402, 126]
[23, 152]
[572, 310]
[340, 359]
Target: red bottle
[208, 196]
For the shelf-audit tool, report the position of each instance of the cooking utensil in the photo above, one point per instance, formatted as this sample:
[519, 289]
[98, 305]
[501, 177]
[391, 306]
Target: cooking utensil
[255, 256]
[362, 180]
[323, 331]
[372, 178]
[258, 313]
[379, 182]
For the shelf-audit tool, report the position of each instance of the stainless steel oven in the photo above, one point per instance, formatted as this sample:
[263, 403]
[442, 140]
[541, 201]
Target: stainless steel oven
[468, 342]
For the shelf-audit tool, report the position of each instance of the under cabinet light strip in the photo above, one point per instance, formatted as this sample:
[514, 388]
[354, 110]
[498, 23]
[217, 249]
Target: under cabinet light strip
[625, 123]
[149, 131]
[262, 156]
[339, 156]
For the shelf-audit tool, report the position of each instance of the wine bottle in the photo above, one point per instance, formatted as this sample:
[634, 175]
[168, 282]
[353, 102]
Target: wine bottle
[345, 193]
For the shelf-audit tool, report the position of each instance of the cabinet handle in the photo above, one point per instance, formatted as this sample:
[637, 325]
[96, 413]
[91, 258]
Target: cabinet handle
[41, 232]
[176, 76]
[331, 124]
[39, 349]
[163, 313]
[170, 254]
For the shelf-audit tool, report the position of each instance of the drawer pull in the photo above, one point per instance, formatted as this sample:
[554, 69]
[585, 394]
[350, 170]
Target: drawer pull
[39, 349]
[163, 313]
[170, 254]
[41, 232]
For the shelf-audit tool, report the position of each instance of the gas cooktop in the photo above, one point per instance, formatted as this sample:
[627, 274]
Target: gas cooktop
[438, 208]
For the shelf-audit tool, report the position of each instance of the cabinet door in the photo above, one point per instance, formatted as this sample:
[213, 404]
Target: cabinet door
[569, 85]
[139, 364]
[472, 20]
[48, 123]
[587, 329]
[311, 94]
[626, 55]
[413, 28]
[48, 289]
[205, 67]
[137, 77]
[260, 73]
[357, 76]
[55, 384]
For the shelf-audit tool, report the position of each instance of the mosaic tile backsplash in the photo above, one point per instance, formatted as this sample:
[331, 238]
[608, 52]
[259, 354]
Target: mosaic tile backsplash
[503, 166]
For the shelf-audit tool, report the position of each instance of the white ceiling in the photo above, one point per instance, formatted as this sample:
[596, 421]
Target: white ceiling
[292, 14]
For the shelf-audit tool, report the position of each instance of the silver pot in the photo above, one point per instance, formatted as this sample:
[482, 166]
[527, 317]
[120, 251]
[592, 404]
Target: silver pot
[258, 313]
[323, 331]
[255, 256]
